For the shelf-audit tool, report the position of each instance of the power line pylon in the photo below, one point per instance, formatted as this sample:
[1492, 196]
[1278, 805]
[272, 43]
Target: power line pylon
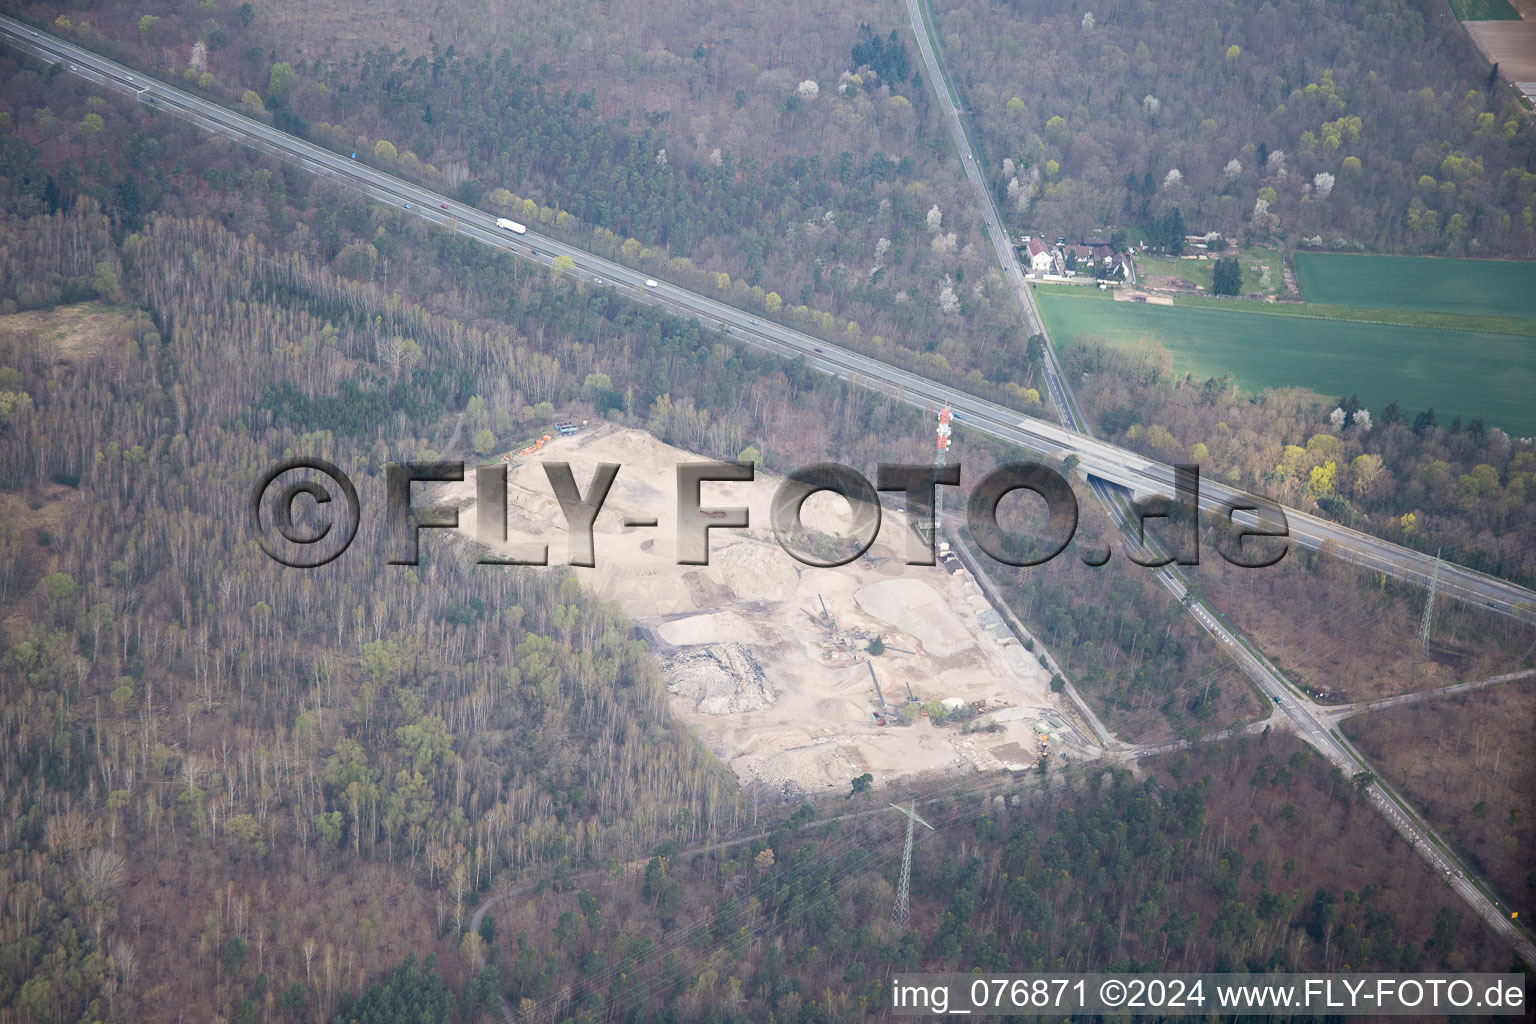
[903, 892]
[1427, 623]
[929, 531]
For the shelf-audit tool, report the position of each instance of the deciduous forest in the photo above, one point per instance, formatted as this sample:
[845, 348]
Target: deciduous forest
[1355, 123]
[236, 792]
[846, 215]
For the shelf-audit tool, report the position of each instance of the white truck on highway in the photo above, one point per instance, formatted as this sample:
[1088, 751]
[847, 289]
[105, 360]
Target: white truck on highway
[511, 225]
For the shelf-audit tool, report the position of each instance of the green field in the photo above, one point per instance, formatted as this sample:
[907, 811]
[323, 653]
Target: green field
[1468, 373]
[1494, 287]
[1484, 10]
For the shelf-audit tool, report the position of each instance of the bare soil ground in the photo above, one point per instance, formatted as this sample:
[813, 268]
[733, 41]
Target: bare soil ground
[1511, 44]
[73, 332]
[1124, 295]
[1467, 762]
[806, 723]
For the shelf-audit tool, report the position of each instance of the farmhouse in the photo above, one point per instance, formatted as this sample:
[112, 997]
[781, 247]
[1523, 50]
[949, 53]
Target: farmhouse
[1041, 259]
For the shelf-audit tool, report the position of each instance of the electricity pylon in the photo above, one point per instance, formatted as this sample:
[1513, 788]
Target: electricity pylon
[903, 892]
[1428, 622]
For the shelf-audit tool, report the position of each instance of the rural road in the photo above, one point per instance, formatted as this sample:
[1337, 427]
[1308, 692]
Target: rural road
[1338, 712]
[1294, 708]
[1105, 462]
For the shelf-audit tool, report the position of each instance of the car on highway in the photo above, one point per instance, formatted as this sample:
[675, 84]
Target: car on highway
[442, 206]
[597, 280]
[405, 206]
[73, 68]
[650, 282]
[516, 249]
[752, 322]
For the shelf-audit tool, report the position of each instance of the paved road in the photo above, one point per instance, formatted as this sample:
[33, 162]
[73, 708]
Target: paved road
[1291, 706]
[1105, 462]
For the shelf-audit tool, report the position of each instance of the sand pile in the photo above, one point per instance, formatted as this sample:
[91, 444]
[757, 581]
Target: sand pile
[913, 607]
[757, 571]
[721, 679]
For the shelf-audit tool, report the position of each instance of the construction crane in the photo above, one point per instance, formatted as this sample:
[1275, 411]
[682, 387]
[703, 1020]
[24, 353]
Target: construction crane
[904, 891]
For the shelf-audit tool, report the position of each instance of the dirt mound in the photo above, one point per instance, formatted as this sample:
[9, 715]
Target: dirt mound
[915, 608]
[721, 679]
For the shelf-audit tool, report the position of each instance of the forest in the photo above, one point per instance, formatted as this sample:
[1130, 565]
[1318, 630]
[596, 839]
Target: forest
[177, 723]
[869, 242]
[243, 793]
[1195, 863]
[1351, 124]
[1460, 487]
[1458, 759]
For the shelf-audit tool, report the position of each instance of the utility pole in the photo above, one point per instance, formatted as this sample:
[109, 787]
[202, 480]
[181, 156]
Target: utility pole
[903, 892]
[1427, 623]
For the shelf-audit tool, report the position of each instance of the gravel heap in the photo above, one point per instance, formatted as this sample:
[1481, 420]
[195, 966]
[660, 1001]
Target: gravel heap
[721, 679]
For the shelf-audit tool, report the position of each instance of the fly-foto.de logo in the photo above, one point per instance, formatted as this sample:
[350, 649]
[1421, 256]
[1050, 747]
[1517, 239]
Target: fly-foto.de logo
[305, 512]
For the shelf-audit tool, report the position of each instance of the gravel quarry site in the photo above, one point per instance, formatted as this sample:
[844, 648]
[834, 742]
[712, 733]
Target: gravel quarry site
[767, 658]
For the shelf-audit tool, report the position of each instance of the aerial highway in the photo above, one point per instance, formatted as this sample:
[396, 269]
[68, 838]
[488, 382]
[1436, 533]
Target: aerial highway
[1103, 463]
[1100, 460]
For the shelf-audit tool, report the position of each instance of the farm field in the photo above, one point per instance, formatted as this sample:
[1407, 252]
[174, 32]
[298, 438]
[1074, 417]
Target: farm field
[1484, 10]
[1417, 367]
[1524, 326]
[1487, 287]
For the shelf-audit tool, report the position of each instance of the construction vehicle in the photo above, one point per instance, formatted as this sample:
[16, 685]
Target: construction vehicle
[511, 225]
[535, 446]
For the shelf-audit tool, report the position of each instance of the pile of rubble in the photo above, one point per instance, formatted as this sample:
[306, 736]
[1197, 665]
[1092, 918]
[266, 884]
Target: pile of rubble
[721, 679]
